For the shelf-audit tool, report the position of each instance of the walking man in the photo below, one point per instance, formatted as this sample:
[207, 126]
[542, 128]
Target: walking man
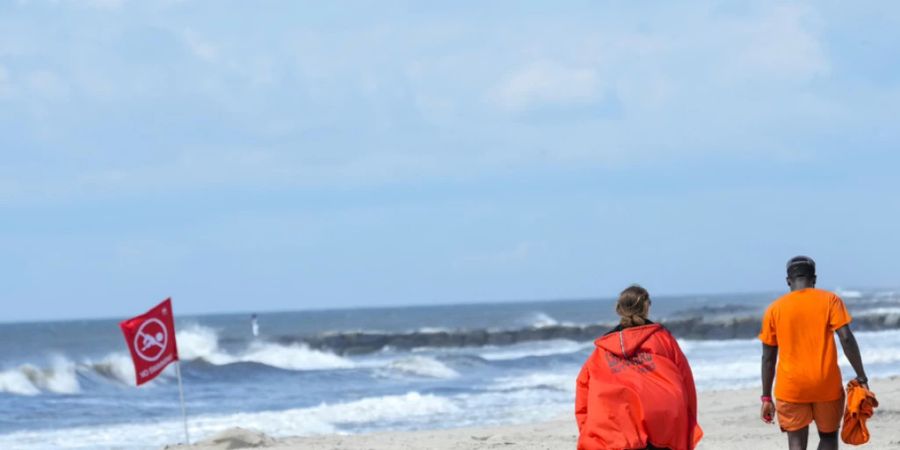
[798, 333]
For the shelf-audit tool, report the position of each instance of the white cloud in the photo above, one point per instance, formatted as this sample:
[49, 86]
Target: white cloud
[783, 44]
[9, 189]
[97, 4]
[547, 83]
[373, 103]
[200, 47]
[47, 84]
[6, 87]
[103, 4]
[519, 252]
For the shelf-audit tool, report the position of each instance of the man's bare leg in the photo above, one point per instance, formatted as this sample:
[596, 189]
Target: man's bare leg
[797, 440]
[828, 441]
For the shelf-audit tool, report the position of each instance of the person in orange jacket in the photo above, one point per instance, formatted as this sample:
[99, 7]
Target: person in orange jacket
[799, 353]
[636, 390]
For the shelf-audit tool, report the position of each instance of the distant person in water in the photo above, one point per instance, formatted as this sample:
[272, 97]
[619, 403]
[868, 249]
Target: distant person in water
[798, 334]
[636, 390]
[254, 325]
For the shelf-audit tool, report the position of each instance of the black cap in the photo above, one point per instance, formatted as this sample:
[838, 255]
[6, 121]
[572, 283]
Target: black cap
[801, 266]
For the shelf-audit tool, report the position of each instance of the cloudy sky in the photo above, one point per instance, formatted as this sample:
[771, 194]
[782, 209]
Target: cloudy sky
[285, 155]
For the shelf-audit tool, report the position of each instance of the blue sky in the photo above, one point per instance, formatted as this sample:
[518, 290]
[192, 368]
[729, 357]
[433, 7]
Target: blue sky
[285, 155]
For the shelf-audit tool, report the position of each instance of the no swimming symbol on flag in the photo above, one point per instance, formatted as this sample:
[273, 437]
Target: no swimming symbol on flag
[151, 341]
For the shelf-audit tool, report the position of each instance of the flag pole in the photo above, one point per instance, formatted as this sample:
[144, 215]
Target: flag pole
[187, 437]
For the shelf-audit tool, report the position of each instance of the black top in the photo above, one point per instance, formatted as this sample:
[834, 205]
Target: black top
[619, 327]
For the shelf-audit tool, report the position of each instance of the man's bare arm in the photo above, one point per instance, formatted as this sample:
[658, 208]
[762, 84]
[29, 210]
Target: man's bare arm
[769, 357]
[851, 351]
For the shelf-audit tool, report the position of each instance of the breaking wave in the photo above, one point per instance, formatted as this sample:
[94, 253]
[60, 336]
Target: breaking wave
[195, 343]
[534, 349]
[27, 379]
[198, 343]
[559, 381]
[115, 366]
[202, 343]
[418, 366]
[540, 320]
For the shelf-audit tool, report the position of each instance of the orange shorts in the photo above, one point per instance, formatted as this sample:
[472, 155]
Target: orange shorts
[796, 416]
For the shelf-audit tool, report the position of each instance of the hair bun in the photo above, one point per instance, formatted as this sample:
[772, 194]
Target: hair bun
[632, 306]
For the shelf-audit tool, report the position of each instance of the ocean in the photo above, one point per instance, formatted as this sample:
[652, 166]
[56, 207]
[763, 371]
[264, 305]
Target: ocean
[71, 384]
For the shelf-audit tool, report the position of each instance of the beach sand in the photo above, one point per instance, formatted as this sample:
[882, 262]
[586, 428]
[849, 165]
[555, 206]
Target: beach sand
[730, 420]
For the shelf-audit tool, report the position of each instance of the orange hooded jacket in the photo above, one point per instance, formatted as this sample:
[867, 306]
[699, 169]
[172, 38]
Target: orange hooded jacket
[861, 404]
[636, 389]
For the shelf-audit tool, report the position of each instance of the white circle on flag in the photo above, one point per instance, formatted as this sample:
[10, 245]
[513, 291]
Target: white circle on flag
[151, 339]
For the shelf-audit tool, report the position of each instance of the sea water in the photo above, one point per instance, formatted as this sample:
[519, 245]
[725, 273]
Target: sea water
[71, 384]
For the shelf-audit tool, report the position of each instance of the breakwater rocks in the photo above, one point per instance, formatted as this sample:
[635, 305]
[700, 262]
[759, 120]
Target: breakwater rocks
[696, 328]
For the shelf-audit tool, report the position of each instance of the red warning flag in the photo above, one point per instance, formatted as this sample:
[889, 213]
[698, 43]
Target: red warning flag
[151, 340]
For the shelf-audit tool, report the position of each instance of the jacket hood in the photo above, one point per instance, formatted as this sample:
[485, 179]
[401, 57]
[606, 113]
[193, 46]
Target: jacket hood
[627, 341]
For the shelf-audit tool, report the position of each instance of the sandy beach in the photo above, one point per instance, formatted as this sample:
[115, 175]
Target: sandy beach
[729, 418]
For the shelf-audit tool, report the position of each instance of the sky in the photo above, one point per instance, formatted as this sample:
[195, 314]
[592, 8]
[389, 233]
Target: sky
[282, 155]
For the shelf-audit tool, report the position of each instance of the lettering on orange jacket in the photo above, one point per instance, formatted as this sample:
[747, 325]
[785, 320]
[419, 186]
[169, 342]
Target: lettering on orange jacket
[641, 362]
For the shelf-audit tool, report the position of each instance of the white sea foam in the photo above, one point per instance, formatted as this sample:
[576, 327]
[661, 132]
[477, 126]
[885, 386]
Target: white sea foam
[536, 348]
[320, 419]
[542, 320]
[198, 342]
[386, 408]
[877, 347]
[16, 381]
[848, 293]
[891, 314]
[433, 330]
[60, 377]
[881, 311]
[512, 406]
[720, 346]
[292, 357]
[411, 409]
[723, 364]
[564, 381]
[420, 366]
[115, 366]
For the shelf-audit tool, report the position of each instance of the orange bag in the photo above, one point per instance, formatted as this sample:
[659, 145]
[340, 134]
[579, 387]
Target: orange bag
[861, 404]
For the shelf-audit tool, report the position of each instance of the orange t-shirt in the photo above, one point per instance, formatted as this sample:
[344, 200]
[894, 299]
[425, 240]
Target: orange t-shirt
[802, 325]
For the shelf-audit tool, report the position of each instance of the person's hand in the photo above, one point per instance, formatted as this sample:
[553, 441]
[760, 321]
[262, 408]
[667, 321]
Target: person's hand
[767, 412]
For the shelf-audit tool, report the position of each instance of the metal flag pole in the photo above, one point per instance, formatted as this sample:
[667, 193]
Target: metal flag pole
[187, 437]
